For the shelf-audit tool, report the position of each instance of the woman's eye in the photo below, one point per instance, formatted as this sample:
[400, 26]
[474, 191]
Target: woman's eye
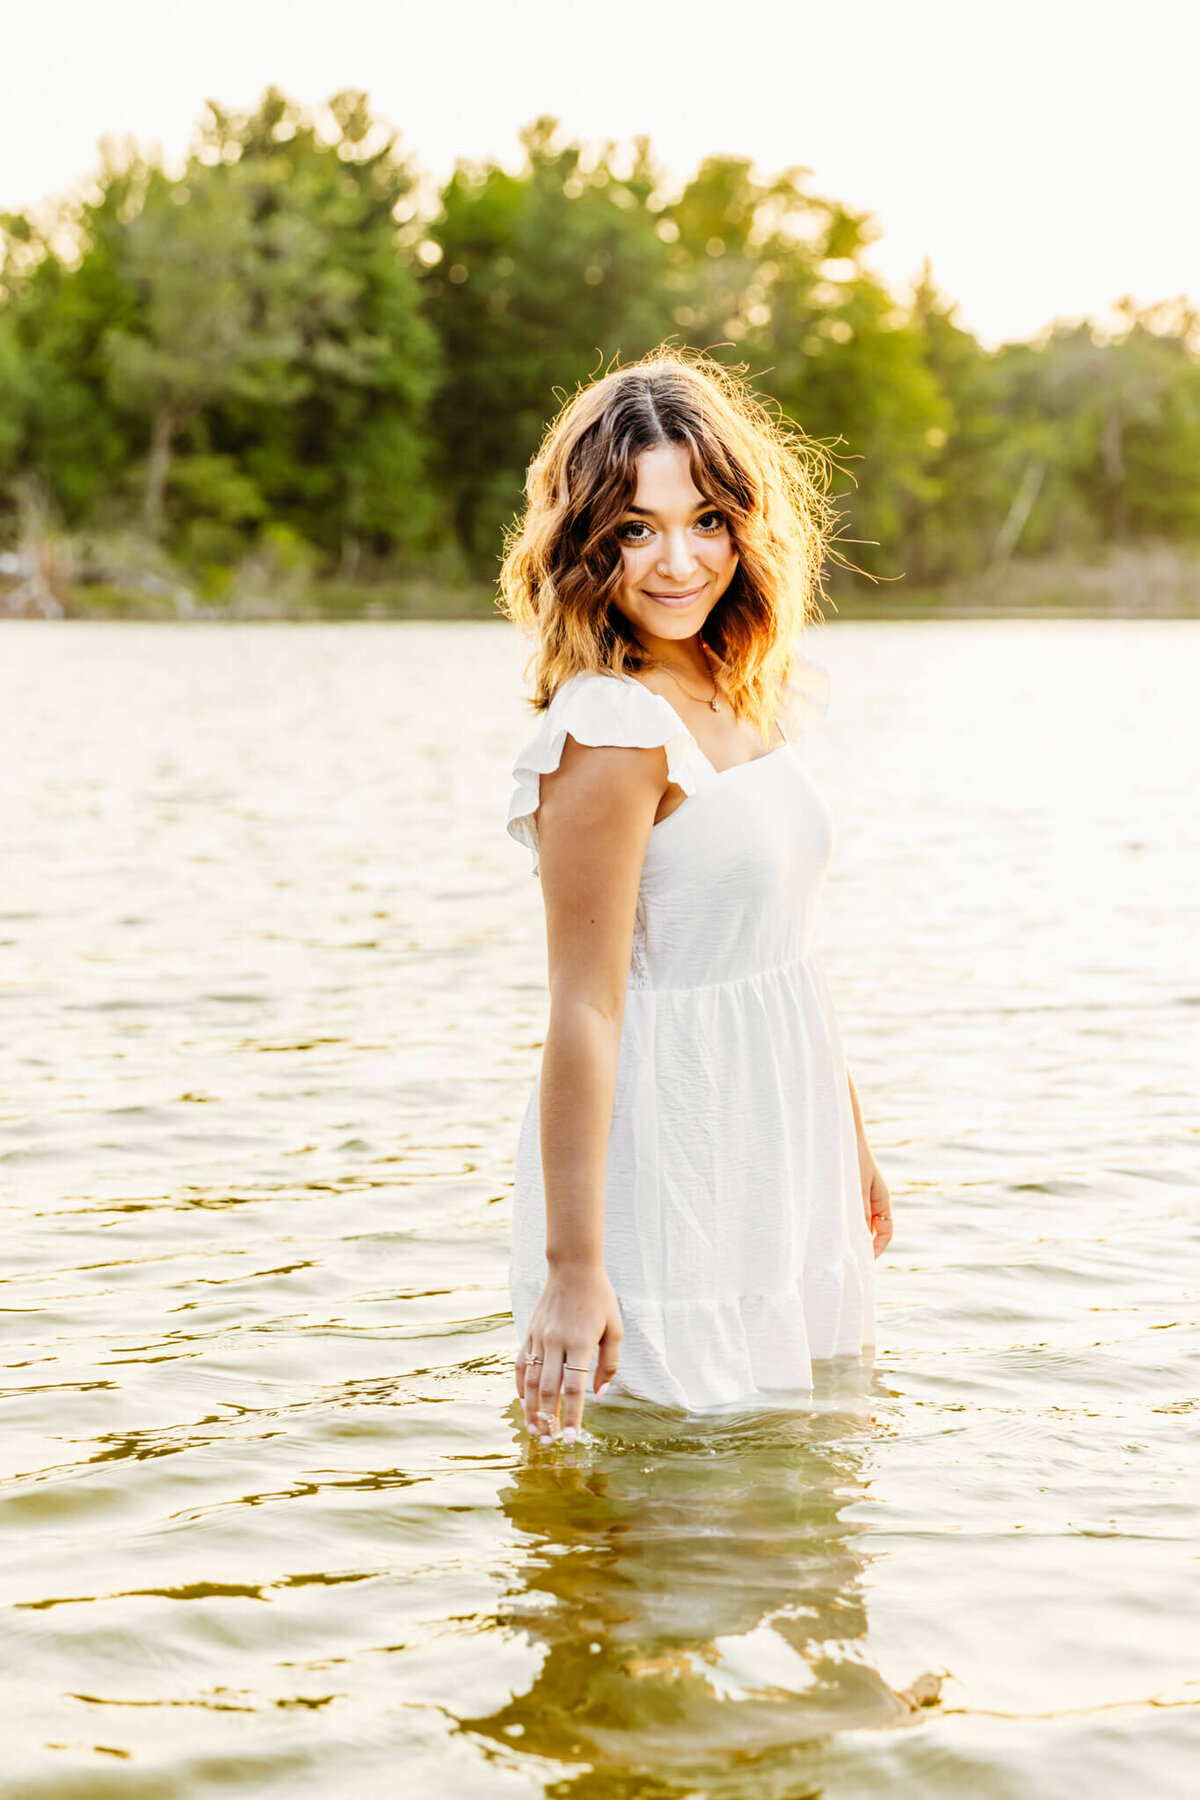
[710, 523]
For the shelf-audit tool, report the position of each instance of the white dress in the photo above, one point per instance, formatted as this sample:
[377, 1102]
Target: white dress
[734, 1231]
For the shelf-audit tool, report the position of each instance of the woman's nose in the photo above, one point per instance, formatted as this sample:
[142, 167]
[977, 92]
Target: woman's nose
[678, 557]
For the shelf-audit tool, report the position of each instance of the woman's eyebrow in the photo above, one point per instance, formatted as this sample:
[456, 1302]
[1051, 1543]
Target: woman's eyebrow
[648, 512]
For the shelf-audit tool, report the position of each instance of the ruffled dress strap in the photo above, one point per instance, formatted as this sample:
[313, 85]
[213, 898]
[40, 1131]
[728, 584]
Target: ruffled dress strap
[600, 709]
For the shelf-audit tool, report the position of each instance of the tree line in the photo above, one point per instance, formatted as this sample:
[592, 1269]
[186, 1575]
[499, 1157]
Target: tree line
[295, 351]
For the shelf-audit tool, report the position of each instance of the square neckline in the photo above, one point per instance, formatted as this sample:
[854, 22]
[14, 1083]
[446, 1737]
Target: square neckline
[750, 760]
[717, 775]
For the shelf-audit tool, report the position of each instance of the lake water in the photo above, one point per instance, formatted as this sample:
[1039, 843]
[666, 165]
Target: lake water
[273, 1000]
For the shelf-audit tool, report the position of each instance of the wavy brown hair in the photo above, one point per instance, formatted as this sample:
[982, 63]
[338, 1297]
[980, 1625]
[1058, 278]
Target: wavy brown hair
[562, 564]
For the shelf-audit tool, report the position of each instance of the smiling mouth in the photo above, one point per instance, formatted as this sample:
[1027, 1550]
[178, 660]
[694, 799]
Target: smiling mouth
[687, 594]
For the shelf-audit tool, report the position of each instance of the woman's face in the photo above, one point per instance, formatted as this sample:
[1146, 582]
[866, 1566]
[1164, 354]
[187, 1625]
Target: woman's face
[677, 554]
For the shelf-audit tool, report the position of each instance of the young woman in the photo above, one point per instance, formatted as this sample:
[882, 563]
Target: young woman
[696, 1201]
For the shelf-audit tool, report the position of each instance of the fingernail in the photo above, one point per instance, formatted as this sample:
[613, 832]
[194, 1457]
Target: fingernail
[570, 1435]
[532, 1430]
[547, 1439]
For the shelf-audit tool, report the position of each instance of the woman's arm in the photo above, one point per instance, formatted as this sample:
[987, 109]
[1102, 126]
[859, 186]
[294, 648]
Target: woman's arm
[594, 820]
[877, 1202]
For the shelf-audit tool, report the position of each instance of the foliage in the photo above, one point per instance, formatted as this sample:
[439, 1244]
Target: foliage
[291, 360]
[534, 281]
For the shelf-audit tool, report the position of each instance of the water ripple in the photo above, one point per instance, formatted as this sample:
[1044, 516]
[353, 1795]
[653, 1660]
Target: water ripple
[269, 1521]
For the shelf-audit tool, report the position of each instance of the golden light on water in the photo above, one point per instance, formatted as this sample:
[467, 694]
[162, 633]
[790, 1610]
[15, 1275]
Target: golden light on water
[275, 992]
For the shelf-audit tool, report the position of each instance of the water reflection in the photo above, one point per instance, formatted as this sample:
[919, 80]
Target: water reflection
[699, 1592]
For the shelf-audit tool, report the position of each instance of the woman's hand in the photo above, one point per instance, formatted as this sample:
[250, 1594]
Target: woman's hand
[577, 1311]
[877, 1202]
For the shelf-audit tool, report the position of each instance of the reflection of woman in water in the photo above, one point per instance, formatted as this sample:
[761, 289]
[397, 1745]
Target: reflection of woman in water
[661, 1578]
[696, 1201]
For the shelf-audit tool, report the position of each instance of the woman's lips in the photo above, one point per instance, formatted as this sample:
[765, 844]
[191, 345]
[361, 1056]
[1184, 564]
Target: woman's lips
[678, 599]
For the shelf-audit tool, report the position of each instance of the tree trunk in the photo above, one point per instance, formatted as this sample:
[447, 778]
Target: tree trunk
[1112, 448]
[351, 553]
[157, 468]
[1022, 505]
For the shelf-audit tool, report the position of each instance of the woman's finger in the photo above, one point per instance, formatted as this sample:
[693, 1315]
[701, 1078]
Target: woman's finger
[881, 1216]
[574, 1388]
[529, 1397]
[548, 1391]
[606, 1360]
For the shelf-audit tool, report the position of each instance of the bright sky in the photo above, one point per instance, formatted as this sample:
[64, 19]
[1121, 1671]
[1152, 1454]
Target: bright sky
[1042, 154]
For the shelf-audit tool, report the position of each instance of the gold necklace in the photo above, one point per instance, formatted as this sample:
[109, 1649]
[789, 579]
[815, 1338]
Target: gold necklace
[714, 703]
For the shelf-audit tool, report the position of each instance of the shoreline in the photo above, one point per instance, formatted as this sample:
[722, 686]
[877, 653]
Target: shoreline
[376, 612]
